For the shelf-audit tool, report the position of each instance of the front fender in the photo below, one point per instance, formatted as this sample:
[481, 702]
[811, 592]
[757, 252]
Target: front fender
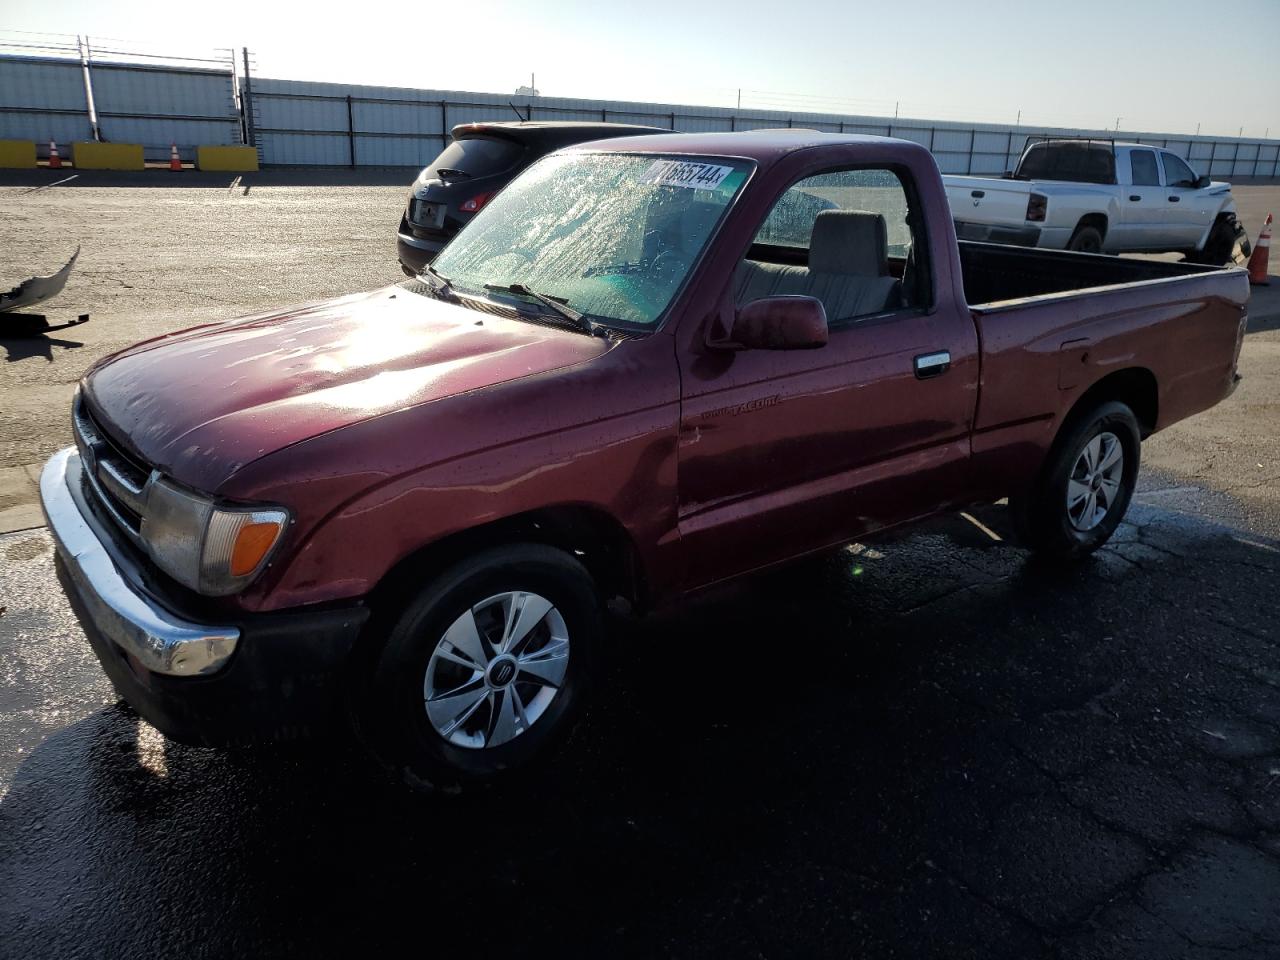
[1227, 205]
[630, 480]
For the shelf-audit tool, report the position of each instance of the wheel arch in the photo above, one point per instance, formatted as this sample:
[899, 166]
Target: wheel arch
[1228, 210]
[590, 534]
[1096, 219]
[1135, 387]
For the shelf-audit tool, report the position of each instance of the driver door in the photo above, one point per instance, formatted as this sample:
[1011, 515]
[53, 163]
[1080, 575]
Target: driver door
[1191, 209]
[785, 452]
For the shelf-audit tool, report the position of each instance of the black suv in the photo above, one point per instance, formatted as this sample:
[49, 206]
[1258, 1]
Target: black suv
[482, 159]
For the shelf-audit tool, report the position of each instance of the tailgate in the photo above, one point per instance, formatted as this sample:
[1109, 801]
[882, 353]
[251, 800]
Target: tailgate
[984, 200]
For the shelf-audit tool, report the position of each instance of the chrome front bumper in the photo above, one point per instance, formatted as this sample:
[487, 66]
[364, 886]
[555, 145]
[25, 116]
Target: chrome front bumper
[158, 640]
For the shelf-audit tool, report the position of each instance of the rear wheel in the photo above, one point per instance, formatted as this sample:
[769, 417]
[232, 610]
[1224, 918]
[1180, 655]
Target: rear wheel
[1085, 487]
[486, 668]
[1086, 239]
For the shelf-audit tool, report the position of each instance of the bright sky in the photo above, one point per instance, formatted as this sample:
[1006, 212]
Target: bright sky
[1158, 65]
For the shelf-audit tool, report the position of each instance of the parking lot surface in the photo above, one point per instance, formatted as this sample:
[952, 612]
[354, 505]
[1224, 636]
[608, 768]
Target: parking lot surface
[928, 747]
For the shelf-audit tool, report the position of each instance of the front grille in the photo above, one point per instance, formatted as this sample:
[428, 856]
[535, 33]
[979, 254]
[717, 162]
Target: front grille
[116, 480]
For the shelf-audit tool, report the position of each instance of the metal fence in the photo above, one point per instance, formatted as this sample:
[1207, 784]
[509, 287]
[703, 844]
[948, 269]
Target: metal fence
[304, 123]
[45, 98]
[325, 124]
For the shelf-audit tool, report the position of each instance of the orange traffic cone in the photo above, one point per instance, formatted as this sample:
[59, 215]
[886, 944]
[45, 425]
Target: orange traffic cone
[55, 161]
[1258, 267]
[174, 162]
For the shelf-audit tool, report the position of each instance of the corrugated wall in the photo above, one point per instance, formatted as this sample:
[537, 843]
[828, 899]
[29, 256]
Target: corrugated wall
[44, 98]
[308, 123]
[327, 124]
[157, 106]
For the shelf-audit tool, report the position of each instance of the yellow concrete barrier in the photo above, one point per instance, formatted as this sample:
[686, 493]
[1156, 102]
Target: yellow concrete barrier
[107, 156]
[17, 154]
[237, 159]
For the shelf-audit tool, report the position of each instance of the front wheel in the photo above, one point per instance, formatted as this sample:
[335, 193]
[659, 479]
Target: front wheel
[1085, 487]
[485, 669]
[1227, 243]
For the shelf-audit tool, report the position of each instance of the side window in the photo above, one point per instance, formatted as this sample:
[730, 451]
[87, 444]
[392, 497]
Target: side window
[1145, 173]
[847, 237]
[1177, 173]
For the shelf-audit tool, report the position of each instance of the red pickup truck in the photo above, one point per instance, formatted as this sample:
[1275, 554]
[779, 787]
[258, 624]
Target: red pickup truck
[647, 366]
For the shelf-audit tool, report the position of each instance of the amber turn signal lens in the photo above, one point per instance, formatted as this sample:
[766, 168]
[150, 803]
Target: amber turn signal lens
[252, 543]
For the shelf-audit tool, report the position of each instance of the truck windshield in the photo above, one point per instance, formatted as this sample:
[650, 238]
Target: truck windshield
[612, 236]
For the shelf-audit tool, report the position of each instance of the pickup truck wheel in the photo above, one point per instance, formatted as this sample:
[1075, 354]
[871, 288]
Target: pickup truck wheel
[1086, 240]
[1219, 249]
[486, 667]
[1085, 488]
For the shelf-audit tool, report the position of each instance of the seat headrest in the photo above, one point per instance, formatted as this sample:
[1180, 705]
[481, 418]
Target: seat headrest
[849, 241]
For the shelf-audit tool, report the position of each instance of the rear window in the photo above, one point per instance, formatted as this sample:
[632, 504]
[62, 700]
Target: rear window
[1073, 161]
[476, 157]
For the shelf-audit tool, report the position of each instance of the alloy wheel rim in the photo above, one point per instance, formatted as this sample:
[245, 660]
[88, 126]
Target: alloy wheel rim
[496, 670]
[1095, 482]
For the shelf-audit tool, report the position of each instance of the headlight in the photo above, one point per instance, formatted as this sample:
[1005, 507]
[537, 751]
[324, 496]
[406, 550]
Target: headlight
[213, 549]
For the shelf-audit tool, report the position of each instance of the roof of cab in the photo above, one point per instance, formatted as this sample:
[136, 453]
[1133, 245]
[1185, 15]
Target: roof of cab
[763, 146]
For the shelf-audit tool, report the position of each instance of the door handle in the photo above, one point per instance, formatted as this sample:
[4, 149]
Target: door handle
[932, 364]
[977, 194]
[1173, 199]
[1134, 197]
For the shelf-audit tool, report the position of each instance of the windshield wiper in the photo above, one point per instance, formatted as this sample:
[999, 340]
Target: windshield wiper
[452, 173]
[579, 320]
[438, 282]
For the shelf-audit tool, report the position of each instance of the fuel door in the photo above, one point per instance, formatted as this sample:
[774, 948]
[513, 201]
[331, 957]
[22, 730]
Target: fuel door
[1073, 361]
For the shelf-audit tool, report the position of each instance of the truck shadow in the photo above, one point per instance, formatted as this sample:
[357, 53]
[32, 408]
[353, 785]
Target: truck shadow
[934, 727]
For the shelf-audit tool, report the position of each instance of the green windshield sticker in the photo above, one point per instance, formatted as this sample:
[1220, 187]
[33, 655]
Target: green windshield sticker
[730, 184]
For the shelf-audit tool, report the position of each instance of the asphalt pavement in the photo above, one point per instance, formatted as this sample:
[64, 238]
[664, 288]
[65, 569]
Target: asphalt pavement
[929, 747]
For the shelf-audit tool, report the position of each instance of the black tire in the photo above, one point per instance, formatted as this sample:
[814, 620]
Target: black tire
[1086, 239]
[392, 716]
[1041, 515]
[1219, 249]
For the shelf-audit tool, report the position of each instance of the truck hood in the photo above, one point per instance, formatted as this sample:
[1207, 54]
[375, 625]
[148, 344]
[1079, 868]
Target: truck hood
[202, 403]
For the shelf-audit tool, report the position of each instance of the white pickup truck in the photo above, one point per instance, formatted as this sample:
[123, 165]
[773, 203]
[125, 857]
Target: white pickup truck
[1097, 196]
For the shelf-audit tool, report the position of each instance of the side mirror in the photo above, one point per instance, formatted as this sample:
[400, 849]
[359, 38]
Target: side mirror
[777, 323]
[1202, 181]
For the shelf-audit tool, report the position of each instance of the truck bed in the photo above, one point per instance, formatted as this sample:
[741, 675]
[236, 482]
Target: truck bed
[991, 210]
[993, 273]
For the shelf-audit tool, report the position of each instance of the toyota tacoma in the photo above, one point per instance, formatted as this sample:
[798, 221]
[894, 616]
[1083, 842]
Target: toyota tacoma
[621, 381]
